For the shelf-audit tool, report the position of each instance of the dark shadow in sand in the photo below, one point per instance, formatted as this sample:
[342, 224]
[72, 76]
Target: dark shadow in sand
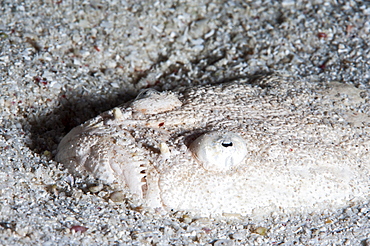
[47, 129]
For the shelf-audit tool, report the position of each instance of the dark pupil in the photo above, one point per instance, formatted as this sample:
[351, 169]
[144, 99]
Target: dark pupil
[227, 144]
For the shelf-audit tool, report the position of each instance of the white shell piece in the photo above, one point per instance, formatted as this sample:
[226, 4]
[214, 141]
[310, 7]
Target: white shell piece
[219, 151]
[165, 150]
[296, 148]
[117, 114]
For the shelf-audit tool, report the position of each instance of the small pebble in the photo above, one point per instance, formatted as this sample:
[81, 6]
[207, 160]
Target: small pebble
[78, 228]
[224, 242]
[261, 231]
[96, 188]
[117, 196]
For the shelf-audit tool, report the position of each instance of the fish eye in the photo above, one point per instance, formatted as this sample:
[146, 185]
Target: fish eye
[145, 93]
[219, 151]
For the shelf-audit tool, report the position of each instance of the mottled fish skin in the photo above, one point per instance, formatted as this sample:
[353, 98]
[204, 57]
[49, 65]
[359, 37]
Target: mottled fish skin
[306, 147]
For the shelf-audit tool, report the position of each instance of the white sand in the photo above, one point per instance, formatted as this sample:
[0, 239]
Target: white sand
[63, 62]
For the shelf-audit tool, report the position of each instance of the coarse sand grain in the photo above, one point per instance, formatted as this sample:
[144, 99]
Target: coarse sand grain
[63, 62]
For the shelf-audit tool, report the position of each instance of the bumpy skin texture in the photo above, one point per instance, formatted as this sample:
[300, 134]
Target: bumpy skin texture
[307, 147]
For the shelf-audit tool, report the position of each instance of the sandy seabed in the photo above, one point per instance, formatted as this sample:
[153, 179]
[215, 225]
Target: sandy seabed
[63, 62]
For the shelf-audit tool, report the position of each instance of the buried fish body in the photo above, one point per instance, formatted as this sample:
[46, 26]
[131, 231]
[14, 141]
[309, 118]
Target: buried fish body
[250, 147]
